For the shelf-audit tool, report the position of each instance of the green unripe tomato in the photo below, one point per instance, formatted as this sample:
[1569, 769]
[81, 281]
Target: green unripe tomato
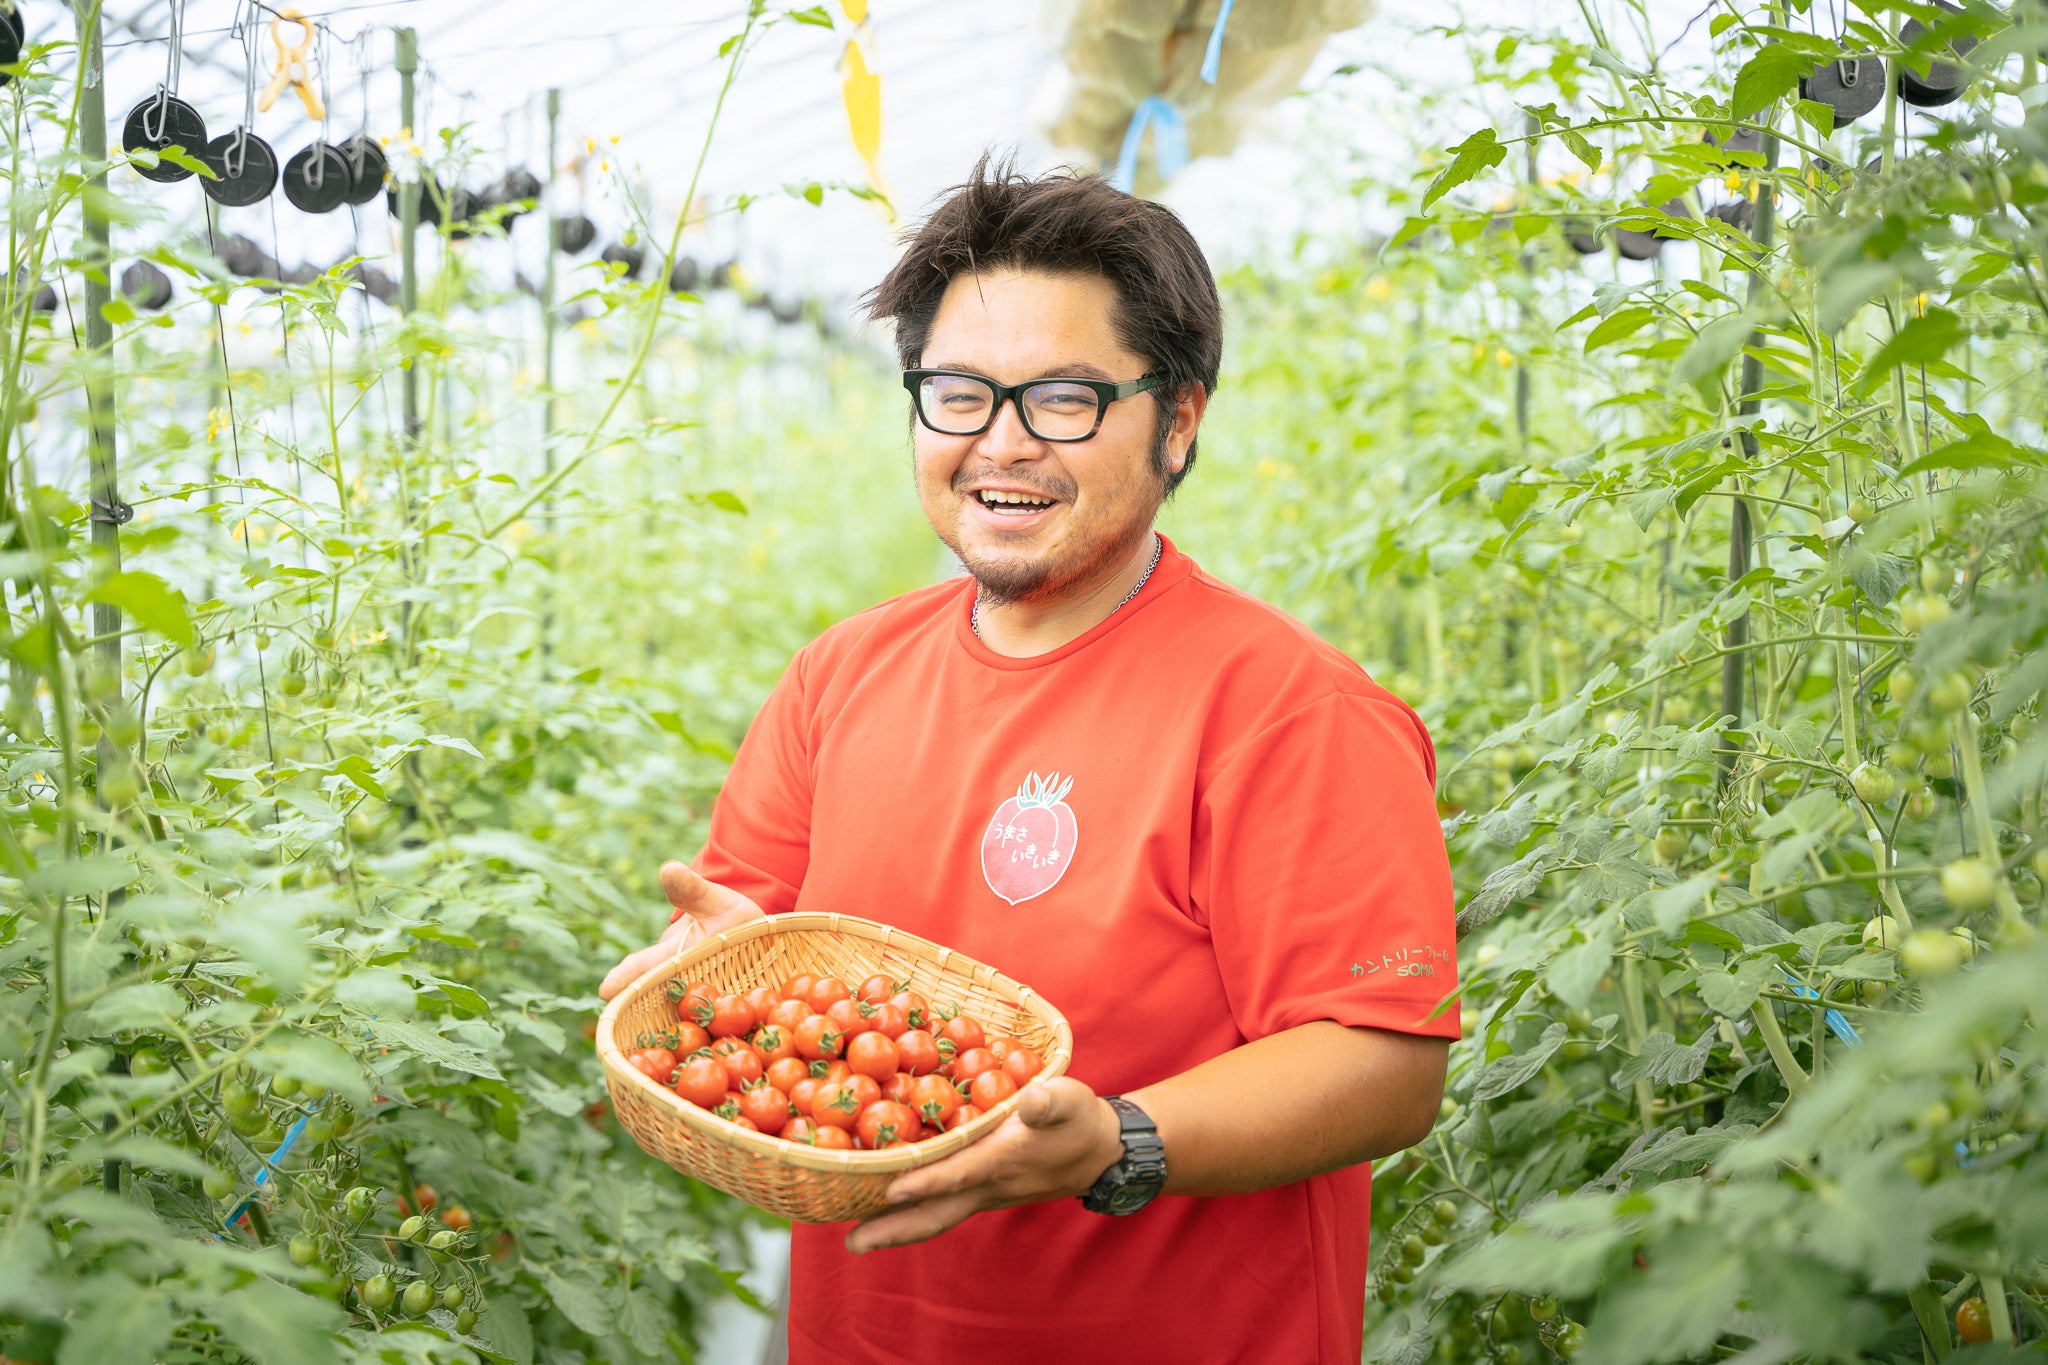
[319, 1130]
[1934, 1117]
[118, 786]
[284, 1087]
[1860, 511]
[1880, 934]
[1402, 1273]
[1935, 576]
[1902, 684]
[147, 1062]
[218, 1185]
[1872, 992]
[1543, 1307]
[1672, 844]
[344, 1119]
[239, 1100]
[1468, 1021]
[1509, 1354]
[411, 1228]
[1444, 1212]
[1413, 1250]
[303, 1250]
[1431, 1234]
[1386, 1291]
[1873, 783]
[122, 726]
[419, 1297]
[1922, 1166]
[1902, 756]
[438, 1244]
[198, 662]
[1967, 941]
[311, 1092]
[218, 733]
[262, 639]
[451, 1297]
[1569, 1341]
[1941, 765]
[377, 1292]
[292, 683]
[360, 1202]
[1486, 954]
[323, 637]
[1950, 694]
[1920, 804]
[1695, 809]
[465, 1321]
[1446, 1109]
[1930, 953]
[1969, 884]
[1919, 610]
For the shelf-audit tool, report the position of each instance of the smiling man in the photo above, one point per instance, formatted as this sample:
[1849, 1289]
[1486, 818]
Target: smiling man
[1204, 834]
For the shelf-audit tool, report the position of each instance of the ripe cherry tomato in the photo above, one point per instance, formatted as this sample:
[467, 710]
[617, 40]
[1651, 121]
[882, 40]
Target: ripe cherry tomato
[865, 1091]
[846, 1016]
[785, 1073]
[1000, 1047]
[799, 1130]
[690, 1037]
[798, 987]
[694, 1005]
[744, 1067]
[459, 1218]
[660, 1062]
[965, 1114]
[826, 991]
[833, 1139]
[917, 1052]
[990, 1089]
[424, 1196]
[702, 1081]
[1973, 1321]
[934, 1099]
[725, 1047]
[644, 1064]
[1020, 1064]
[837, 1106]
[965, 1066]
[888, 1019]
[742, 1121]
[877, 989]
[835, 1070]
[767, 1106]
[774, 1044]
[963, 1032]
[760, 1000]
[872, 1054]
[815, 1037]
[731, 1017]
[787, 1014]
[914, 1006]
[885, 1121]
[803, 1094]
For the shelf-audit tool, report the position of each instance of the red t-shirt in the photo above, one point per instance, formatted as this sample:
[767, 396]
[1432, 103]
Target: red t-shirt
[1244, 840]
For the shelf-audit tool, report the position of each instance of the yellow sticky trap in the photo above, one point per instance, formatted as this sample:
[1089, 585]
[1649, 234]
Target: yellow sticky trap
[294, 65]
[856, 10]
[864, 115]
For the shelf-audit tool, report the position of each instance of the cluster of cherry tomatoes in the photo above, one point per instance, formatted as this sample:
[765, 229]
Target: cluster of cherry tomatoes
[816, 1061]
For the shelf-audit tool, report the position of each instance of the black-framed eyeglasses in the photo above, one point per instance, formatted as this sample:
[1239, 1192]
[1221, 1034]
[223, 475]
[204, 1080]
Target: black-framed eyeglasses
[959, 403]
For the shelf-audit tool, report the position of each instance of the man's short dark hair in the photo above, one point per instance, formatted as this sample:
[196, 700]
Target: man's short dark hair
[1065, 223]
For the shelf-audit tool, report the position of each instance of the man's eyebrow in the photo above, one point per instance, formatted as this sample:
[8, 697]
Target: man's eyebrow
[1077, 369]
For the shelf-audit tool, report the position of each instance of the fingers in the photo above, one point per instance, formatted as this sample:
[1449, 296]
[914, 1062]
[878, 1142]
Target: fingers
[634, 965]
[901, 1227]
[1047, 1104]
[716, 907]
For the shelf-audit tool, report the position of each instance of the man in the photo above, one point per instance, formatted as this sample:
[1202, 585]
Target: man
[1203, 834]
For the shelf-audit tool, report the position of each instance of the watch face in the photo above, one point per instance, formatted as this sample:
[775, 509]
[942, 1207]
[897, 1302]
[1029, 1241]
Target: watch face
[1129, 1198]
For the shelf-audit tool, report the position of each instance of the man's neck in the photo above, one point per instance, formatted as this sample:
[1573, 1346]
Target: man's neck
[1021, 630]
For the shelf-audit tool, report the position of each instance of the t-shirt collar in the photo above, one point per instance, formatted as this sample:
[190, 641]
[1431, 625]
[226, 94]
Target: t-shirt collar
[1174, 567]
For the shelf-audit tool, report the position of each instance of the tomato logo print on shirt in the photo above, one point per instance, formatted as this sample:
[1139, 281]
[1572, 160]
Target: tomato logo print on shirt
[1031, 840]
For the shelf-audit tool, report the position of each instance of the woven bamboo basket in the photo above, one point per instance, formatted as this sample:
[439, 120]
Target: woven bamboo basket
[792, 1179]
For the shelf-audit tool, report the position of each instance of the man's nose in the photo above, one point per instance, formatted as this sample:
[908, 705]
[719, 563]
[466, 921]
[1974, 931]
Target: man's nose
[1007, 441]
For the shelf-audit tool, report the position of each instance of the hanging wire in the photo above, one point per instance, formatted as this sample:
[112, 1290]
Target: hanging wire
[174, 62]
[238, 156]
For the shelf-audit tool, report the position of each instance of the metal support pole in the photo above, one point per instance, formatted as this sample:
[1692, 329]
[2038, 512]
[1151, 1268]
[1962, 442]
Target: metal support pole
[406, 41]
[547, 364]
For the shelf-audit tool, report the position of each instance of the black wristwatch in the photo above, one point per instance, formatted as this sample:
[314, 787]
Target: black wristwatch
[1135, 1178]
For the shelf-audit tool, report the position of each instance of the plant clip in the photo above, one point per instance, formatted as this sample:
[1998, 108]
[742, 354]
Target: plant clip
[115, 513]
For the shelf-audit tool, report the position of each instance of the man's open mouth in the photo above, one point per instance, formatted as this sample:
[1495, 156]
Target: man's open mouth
[1013, 504]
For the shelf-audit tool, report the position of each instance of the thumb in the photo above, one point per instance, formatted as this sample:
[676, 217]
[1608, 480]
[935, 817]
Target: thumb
[691, 894]
[1047, 1104]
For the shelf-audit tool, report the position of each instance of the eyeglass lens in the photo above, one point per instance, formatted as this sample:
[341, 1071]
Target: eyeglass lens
[1052, 410]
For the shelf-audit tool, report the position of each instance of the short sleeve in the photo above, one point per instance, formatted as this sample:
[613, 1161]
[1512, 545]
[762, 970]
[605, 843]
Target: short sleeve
[760, 840]
[1321, 872]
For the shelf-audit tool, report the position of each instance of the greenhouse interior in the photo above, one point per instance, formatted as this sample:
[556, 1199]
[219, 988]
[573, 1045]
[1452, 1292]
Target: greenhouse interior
[473, 473]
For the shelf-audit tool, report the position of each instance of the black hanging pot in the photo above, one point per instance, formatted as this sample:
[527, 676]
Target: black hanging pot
[366, 168]
[516, 191]
[1579, 233]
[789, 313]
[1738, 214]
[45, 300]
[145, 286]
[316, 179]
[163, 120]
[431, 195]
[682, 276]
[1641, 246]
[244, 259]
[721, 275]
[1851, 86]
[245, 165]
[574, 234]
[631, 257]
[462, 206]
[302, 273]
[1945, 81]
[12, 36]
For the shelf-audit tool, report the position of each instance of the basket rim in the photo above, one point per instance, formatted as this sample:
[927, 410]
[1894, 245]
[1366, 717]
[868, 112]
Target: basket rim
[886, 1162]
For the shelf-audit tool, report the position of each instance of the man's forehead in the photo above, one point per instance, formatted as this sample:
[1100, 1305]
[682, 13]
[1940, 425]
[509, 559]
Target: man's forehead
[1078, 369]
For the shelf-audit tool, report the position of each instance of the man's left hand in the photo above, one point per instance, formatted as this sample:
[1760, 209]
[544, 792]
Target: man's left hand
[1057, 1143]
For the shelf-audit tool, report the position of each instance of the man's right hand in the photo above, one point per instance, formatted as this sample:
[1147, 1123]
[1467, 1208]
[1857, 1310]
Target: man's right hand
[707, 908]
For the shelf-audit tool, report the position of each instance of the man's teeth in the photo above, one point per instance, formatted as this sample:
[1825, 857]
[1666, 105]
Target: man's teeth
[989, 495]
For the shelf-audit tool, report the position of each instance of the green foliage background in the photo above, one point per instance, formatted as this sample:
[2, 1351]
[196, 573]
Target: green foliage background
[402, 732]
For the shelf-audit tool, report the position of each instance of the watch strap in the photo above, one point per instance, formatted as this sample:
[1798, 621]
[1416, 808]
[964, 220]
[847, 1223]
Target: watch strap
[1134, 1179]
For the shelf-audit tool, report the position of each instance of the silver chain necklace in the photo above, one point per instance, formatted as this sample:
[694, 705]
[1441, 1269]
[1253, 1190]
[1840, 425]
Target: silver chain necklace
[974, 613]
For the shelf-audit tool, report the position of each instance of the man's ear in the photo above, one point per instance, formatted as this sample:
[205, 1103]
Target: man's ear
[1187, 419]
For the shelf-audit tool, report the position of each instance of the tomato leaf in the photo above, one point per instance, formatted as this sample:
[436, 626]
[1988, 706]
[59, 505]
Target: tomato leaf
[153, 603]
[1921, 341]
[1479, 152]
[1766, 78]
